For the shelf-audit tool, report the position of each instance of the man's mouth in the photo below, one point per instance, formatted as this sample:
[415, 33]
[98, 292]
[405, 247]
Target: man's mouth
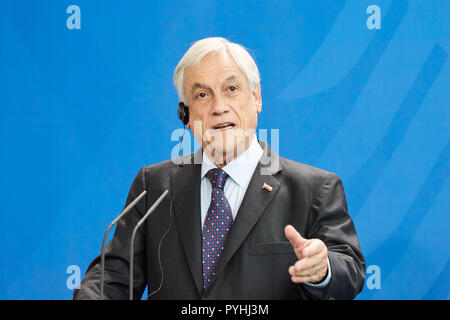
[224, 126]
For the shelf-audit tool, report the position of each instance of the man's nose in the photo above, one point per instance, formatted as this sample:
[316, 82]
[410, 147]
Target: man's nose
[220, 106]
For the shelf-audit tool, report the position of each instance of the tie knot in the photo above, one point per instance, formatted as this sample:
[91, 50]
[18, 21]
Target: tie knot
[217, 177]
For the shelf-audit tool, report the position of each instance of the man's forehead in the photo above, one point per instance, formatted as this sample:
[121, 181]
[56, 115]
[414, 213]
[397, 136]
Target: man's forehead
[217, 66]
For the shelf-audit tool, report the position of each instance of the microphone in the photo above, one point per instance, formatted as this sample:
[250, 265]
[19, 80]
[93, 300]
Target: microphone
[152, 208]
[102, 261]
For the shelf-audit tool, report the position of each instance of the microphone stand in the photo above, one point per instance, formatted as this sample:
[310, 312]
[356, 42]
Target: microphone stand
[102, 260]
[152, 208]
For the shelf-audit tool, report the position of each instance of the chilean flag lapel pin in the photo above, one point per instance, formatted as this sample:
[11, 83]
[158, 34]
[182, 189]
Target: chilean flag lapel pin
[267, 187]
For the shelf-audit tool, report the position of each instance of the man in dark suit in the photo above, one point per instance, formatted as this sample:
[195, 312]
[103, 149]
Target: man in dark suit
[241, 222]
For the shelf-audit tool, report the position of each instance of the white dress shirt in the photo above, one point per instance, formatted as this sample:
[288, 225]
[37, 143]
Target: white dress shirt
[240, 172]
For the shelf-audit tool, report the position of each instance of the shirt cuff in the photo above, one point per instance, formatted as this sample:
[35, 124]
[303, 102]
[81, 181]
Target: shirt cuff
[325, 282]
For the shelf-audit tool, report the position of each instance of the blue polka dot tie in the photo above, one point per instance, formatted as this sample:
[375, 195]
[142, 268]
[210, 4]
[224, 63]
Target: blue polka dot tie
[217, 225]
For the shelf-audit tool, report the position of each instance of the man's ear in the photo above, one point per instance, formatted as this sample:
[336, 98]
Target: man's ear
[257, 96]
[189, 118]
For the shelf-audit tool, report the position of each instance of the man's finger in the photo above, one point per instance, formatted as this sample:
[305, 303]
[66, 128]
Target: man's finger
[294, 237]
[313, 278]
[314, 247]
[301, 279]
[306, 264]
[310, 270]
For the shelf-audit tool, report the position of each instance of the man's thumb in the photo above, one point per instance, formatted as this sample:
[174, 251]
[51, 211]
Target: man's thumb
[294, 237]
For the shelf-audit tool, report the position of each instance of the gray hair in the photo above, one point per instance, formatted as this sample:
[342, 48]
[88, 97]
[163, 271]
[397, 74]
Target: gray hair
[217, 45]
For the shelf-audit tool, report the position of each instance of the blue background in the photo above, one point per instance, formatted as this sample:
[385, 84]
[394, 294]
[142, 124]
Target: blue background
[83, 110]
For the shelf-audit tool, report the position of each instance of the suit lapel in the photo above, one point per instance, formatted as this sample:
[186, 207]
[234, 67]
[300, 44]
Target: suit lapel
[254, 204]
[187, 212]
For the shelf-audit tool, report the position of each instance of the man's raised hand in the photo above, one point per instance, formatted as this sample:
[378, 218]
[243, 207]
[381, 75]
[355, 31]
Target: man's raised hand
[312, 257]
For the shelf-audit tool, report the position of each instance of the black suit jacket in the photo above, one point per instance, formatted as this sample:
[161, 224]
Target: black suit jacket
[256, 256]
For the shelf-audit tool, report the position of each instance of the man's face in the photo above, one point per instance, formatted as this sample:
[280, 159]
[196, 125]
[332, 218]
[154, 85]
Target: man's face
[223, 113]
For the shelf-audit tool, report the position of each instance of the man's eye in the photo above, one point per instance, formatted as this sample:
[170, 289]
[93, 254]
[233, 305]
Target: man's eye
[232, 88]
[201, 95]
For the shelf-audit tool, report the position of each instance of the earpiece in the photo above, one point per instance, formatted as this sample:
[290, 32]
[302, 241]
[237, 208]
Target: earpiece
[183, 113]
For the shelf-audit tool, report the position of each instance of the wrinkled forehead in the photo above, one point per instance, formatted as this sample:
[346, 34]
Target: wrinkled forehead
[213, 68]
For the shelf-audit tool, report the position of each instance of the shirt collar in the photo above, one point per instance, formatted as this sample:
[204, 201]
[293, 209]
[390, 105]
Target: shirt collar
[240, 169]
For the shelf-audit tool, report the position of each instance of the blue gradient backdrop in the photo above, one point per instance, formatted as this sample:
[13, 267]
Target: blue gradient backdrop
[83, 110]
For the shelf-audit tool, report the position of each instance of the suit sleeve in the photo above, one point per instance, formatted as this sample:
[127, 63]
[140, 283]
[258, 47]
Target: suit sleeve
[330, 221]
[117, 256]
